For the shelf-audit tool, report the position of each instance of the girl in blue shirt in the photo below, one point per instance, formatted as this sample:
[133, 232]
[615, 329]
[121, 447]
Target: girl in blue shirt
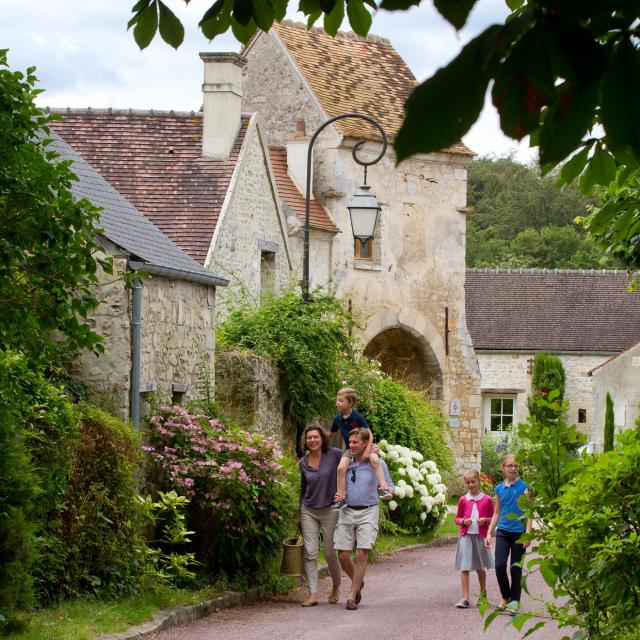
[508, 532]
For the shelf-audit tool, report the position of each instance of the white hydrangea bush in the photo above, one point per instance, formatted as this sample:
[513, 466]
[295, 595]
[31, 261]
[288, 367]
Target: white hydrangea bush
[419, 498]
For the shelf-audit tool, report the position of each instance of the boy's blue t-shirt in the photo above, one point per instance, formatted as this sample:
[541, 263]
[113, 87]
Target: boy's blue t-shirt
[347, 425]
[509, 497]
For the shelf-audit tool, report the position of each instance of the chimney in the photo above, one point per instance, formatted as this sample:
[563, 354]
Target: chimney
[222, 97]
[297, 149]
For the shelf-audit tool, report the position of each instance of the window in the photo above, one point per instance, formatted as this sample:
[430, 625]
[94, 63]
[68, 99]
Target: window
[582, 416]
[499, 412]
[267, 272]
[363, 250]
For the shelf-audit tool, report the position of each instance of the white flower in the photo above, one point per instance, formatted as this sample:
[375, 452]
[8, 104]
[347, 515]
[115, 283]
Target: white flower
[382, 454]
[401, 483]
[393, 505]
[422, 490]
[441, 488]
[383, 443]
[416, 455]
[440, 499]
[423, 516]
[401, 471]
[409, 492]
[400, 492]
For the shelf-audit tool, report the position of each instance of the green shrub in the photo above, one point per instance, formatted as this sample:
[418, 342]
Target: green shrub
[591, 544]
[402, 416]
[18, 489]
[241, 500]
[419, 498]
[306, 343]
[548, 374]
[609, 424]
[91, 536]
[493, 446]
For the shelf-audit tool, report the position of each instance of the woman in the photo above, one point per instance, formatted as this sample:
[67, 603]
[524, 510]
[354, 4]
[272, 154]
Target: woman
[318, 473]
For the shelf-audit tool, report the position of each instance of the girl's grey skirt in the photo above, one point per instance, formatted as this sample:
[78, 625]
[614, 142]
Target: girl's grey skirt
[472, 555]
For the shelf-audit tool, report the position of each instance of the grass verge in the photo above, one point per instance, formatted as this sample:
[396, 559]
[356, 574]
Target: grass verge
[86, 619]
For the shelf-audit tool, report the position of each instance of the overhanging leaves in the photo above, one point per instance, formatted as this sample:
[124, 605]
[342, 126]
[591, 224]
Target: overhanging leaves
[145, 24]
[333, 20]
[455, 12]
[442, 109]
[621, 98]
[524, 83]
[217, 19]
[171, 29]
[567, 121]
[359, 18]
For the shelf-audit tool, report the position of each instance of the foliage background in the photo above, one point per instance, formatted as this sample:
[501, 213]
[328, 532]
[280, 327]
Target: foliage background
[520, 219]
[47, 238]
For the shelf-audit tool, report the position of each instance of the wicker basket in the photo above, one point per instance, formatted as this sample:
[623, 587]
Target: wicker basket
[292, 557]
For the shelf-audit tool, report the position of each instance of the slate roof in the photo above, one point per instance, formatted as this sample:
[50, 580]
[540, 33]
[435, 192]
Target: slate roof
[154, 159]
[126, 227]
[350, 73]
[561, 311]
[318, 216]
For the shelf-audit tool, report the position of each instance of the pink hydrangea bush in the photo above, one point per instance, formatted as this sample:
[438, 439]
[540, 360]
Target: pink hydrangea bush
[241, 499]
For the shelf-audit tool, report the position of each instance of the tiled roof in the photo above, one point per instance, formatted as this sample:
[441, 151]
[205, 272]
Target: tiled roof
[125, 226]
[154, 159]
[318, 216]
[350, 73]
[562, 311]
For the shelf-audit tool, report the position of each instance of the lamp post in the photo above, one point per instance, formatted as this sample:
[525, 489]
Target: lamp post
[363, 208]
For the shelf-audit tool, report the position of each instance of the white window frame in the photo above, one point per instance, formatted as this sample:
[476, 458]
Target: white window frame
[487, 414]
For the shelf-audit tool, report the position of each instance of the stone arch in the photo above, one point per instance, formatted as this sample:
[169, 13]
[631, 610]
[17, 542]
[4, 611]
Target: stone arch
[408, 348]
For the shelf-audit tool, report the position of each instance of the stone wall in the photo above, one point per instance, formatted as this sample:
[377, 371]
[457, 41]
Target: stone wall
[619, 377]
[177, 334]
[108, 375]
[249, 225]
[418, 268]
[248, 393]
[177, 346]
[508, 372]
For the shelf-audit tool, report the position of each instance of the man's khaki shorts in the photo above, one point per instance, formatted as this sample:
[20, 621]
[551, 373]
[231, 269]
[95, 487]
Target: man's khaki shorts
[356, 529]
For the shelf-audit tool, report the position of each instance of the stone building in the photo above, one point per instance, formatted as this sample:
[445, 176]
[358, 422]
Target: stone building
[584, 317]
[619, 376]
[406, 286]
[158, 335]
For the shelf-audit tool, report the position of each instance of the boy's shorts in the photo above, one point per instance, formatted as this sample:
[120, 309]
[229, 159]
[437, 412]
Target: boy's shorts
[356, 529]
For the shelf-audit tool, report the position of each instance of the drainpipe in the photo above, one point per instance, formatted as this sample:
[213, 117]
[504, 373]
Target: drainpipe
[136, 335]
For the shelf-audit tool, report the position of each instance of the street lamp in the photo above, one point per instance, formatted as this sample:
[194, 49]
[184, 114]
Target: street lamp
[363, 208]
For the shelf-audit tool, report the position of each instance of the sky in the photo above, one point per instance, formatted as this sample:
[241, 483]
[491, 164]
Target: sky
[85, 57]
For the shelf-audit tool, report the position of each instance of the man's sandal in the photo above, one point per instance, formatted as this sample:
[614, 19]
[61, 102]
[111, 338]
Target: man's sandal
[351, 605]
[359, 594]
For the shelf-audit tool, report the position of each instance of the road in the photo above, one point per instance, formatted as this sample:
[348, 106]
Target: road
[408, 596]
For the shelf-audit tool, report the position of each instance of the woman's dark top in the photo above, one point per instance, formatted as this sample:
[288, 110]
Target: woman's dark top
[318, 486]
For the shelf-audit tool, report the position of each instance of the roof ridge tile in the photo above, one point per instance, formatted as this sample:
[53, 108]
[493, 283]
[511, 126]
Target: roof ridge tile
[110, 111]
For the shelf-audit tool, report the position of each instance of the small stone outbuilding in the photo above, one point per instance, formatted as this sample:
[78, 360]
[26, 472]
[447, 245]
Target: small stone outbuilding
[158, 335]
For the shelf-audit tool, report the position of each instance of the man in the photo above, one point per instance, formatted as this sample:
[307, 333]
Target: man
[358, 520]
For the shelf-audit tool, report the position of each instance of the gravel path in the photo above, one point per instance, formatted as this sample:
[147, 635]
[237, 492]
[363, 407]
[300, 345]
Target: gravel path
[408, 596]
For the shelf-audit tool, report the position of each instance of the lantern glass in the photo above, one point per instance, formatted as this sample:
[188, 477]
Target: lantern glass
[364, 209]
